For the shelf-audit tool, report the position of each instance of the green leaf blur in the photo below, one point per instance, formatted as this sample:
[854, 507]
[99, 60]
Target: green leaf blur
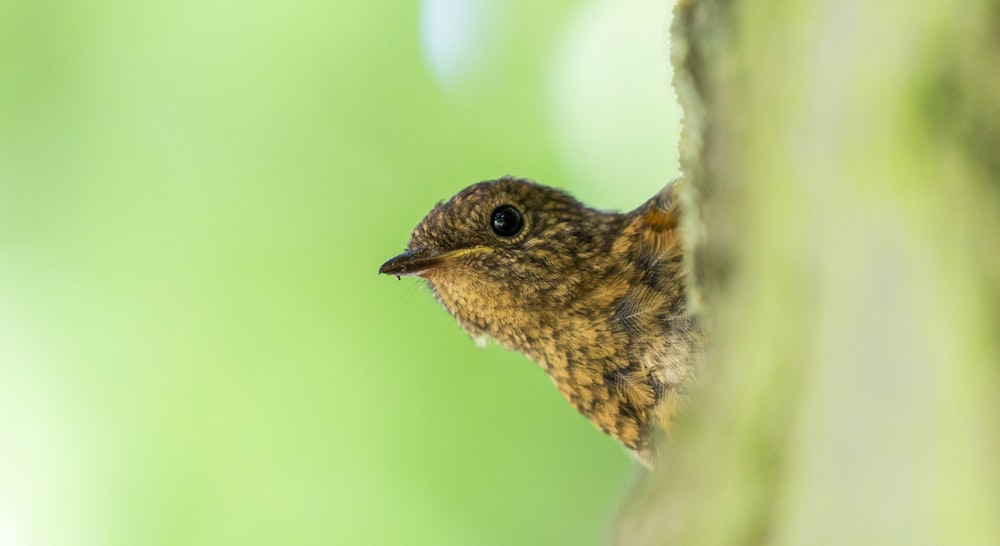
[195, 197]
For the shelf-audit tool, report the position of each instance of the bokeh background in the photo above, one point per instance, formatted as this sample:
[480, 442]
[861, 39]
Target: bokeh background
[195, 197]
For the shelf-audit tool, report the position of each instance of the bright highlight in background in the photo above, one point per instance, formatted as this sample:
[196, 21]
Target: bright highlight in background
[614, 116]
[7, 534]
[452, 36]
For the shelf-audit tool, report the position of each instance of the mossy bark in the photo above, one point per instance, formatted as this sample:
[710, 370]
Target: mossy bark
[843, 161]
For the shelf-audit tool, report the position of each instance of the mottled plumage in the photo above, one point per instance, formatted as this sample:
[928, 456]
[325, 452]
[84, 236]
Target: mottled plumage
[596, 298]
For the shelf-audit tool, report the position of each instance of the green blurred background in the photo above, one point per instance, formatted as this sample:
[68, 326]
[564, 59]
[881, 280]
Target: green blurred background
[195, 197]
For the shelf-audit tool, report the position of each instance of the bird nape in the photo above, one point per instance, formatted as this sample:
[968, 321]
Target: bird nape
[596, 298]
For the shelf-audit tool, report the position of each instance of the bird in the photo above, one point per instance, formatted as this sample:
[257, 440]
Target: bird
[596, 298]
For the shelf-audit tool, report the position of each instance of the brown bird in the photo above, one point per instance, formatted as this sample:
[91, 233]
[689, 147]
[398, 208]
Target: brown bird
[596, 298]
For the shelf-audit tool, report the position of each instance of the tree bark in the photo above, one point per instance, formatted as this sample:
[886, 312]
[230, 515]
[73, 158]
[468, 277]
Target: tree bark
[843, 211]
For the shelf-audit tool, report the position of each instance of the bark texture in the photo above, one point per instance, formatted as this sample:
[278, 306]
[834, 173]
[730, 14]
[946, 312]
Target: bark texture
[844, 169]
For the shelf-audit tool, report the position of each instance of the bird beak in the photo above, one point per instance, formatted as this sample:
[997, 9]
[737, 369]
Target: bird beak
[413, 263]
[416, 262]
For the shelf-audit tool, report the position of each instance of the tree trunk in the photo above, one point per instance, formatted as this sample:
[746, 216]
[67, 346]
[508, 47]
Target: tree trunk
[843, 161]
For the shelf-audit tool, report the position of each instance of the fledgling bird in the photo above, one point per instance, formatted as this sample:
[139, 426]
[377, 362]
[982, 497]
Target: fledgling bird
[596, 298]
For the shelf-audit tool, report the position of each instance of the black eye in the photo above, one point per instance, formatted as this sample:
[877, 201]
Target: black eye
[506, 221]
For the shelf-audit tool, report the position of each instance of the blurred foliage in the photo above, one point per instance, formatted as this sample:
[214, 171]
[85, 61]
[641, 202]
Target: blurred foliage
[194, 199]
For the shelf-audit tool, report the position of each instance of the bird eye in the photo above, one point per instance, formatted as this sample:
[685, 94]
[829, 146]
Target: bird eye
[506, 221]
